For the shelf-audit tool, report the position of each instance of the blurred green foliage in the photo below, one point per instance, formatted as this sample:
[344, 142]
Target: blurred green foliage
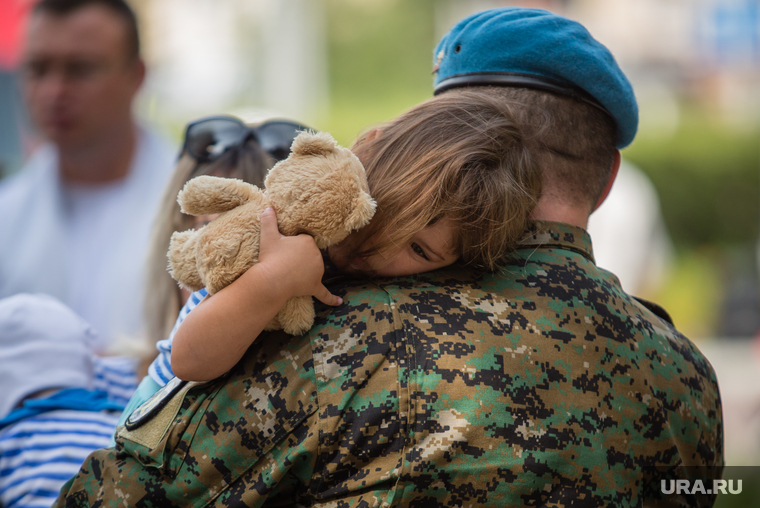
[749, 476]
[707, 175]
[380, 58]
[692, 291]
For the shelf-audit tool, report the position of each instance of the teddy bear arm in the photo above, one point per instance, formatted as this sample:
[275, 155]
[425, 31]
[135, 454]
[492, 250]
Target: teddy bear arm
[205, 195]
[182, 260]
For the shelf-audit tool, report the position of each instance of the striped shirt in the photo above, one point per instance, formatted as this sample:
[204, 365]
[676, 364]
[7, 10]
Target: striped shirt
[161, 368]
[39, 454]
[117, 376]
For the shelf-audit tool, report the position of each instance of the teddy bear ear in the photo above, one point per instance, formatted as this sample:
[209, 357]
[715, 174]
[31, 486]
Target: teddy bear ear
[314, 143]
[363, 210]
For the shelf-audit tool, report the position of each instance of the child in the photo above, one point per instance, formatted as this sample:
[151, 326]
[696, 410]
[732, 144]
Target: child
[454, 181]
[220, 146]
[51, 418]
[206, 151]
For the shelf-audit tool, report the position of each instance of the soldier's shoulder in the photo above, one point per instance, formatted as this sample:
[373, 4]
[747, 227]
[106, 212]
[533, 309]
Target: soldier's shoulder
[655, 309]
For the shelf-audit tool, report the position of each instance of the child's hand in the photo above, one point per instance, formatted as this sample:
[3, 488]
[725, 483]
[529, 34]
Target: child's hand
[293, 265]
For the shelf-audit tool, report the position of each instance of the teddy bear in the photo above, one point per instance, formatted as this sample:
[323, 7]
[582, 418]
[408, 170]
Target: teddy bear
[320, 189]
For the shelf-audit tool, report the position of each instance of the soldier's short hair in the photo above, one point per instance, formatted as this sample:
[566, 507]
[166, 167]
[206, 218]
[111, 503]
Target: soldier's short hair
[461, 156]
[118, 7]
[575, 142]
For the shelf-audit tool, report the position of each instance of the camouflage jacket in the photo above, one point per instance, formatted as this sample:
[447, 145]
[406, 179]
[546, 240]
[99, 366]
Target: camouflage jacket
[541, 385]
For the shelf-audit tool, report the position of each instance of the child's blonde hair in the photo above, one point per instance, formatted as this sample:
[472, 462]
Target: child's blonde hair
[460, 155]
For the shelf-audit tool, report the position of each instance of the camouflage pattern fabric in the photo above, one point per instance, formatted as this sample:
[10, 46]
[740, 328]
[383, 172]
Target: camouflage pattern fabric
[541, 385]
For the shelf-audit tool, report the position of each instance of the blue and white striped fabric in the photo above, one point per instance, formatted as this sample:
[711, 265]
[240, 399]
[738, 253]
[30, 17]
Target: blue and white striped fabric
[39, 454]
[161, 368]
[117, 376]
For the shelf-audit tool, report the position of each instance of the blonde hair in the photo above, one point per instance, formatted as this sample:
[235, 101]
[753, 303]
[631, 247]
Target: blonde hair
[460, 155]
[163, 300]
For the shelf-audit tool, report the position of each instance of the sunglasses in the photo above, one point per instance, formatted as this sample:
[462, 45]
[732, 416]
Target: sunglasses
[208, 138]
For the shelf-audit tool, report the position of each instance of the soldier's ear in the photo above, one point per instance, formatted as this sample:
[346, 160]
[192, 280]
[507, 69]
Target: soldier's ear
[613, 173]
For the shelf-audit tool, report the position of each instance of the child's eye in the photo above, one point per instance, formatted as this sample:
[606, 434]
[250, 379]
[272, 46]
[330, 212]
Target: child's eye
[418, 250]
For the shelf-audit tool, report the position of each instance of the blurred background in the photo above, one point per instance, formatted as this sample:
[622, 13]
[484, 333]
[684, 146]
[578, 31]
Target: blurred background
[683, 222]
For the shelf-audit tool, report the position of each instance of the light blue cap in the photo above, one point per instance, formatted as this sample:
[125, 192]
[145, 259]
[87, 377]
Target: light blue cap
[533, 48]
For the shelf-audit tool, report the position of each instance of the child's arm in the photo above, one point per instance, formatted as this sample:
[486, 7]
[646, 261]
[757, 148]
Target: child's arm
[161, 369]
[217, 333]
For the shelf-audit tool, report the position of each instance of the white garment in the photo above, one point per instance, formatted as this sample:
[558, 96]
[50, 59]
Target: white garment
[86, 247]
[629, 234]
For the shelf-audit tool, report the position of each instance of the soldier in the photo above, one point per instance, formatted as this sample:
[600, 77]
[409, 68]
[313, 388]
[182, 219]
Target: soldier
[541, 383]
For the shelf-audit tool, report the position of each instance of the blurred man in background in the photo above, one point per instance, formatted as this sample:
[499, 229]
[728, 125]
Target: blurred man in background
[75, 221]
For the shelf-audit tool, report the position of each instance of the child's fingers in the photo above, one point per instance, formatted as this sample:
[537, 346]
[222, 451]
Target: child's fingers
[325, 296]
[269, 230]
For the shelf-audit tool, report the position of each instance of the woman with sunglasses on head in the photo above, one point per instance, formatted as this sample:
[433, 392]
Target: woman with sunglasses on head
[218, 146]
[454, 181]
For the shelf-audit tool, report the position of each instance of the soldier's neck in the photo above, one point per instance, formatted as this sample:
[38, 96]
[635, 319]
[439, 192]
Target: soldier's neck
[553, 208]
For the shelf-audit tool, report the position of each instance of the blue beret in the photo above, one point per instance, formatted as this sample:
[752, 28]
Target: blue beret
[533, 48]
